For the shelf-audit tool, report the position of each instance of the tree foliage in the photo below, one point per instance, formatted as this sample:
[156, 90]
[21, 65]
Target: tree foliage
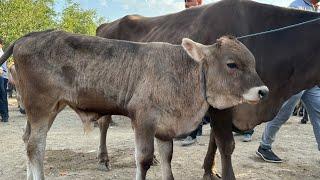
[76, 20]
[19, 17]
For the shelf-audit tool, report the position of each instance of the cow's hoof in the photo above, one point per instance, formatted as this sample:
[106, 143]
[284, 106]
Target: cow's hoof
[211, 176]
[103, 166]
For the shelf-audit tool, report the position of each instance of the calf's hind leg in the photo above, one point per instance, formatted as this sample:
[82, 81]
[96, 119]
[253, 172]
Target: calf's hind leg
[27, 132]
[40, 119]
[144, 147]
[25, 139]
[35, 145]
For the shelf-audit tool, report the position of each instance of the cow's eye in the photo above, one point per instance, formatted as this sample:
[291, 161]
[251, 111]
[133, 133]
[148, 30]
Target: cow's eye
[232, 65]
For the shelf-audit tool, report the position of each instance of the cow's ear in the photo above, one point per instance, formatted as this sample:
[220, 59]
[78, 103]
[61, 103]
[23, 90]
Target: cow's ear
[195, 50]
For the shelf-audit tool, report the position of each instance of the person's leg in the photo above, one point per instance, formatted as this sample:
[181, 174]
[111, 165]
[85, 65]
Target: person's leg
[6, 99]
[194, 134]
[199, 129]
[192, 138]
[247, 135]
[272, 127]
[3, 100]
[311, 101]
[301, 109]
[305, 117]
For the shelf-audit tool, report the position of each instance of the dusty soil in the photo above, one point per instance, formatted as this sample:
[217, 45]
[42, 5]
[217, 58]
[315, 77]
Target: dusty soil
[71, 154]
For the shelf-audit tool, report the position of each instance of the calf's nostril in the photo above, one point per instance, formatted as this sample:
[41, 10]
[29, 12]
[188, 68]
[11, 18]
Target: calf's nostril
[263, 93]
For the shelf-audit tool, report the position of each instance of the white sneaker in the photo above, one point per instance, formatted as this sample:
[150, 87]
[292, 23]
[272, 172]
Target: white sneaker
[247, 138]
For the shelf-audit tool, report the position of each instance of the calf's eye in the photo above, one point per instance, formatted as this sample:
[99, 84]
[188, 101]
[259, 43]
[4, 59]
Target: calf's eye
[232, 65]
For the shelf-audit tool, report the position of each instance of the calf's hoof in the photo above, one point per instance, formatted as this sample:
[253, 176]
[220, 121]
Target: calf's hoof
[104, 166]
[155, 161]
[22, 111]
[211, 176]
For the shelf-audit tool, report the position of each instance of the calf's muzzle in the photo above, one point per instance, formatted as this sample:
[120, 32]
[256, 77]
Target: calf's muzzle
[256, 94]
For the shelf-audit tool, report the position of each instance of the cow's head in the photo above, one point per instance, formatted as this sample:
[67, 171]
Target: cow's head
[229, 68]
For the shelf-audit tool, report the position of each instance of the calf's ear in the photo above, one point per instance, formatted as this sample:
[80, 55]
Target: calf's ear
[195, 50]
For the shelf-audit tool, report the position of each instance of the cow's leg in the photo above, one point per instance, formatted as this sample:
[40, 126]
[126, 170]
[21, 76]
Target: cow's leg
[224, 138]
[103, 152]
[165, 151]
[36, 144]
[221, 136]
[226, 146]
[144, 147]
[25, 138]
[27, 132]
[40, 119]
[210, 172]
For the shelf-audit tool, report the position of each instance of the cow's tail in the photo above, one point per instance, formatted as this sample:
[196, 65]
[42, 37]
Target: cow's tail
[7, 53]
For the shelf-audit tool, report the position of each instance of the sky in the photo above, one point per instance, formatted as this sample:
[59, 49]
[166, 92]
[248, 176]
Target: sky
[114, 9]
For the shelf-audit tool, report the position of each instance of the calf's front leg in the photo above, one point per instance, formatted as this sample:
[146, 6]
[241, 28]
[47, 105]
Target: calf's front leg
[221, 136]
[222, 128]
[210, 172]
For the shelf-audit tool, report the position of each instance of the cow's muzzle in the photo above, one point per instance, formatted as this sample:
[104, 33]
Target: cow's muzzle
[256, 94]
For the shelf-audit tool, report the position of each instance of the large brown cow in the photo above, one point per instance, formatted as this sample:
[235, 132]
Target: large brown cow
[165, 89]
[287, 60]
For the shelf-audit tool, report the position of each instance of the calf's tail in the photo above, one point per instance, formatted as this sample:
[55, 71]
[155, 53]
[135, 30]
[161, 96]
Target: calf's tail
[7, 54]
[9, 50]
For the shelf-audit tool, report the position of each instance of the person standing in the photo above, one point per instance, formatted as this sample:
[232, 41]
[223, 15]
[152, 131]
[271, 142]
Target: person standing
[310, 99]
[4, 112]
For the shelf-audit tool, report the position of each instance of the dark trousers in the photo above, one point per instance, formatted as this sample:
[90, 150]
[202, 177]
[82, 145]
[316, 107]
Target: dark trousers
[195, 132]
[235, 129]
[205, 120]
[4, 112]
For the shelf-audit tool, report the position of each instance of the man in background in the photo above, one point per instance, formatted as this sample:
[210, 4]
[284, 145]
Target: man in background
[192, 3]
[3, 88]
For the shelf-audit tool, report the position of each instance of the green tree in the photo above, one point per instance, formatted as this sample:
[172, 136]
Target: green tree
[77, 20]
[19, 17]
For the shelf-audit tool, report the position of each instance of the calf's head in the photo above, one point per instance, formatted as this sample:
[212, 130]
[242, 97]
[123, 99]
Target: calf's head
[229, 70]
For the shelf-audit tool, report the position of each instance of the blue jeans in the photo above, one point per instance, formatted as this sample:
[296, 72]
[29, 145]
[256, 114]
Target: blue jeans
[4, 99]
[311, 101]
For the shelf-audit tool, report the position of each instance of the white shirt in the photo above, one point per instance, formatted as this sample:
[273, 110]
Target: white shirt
[1, 52]
[4, 66]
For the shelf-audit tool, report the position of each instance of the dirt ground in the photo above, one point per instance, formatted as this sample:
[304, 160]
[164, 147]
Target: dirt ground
[71, 154]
